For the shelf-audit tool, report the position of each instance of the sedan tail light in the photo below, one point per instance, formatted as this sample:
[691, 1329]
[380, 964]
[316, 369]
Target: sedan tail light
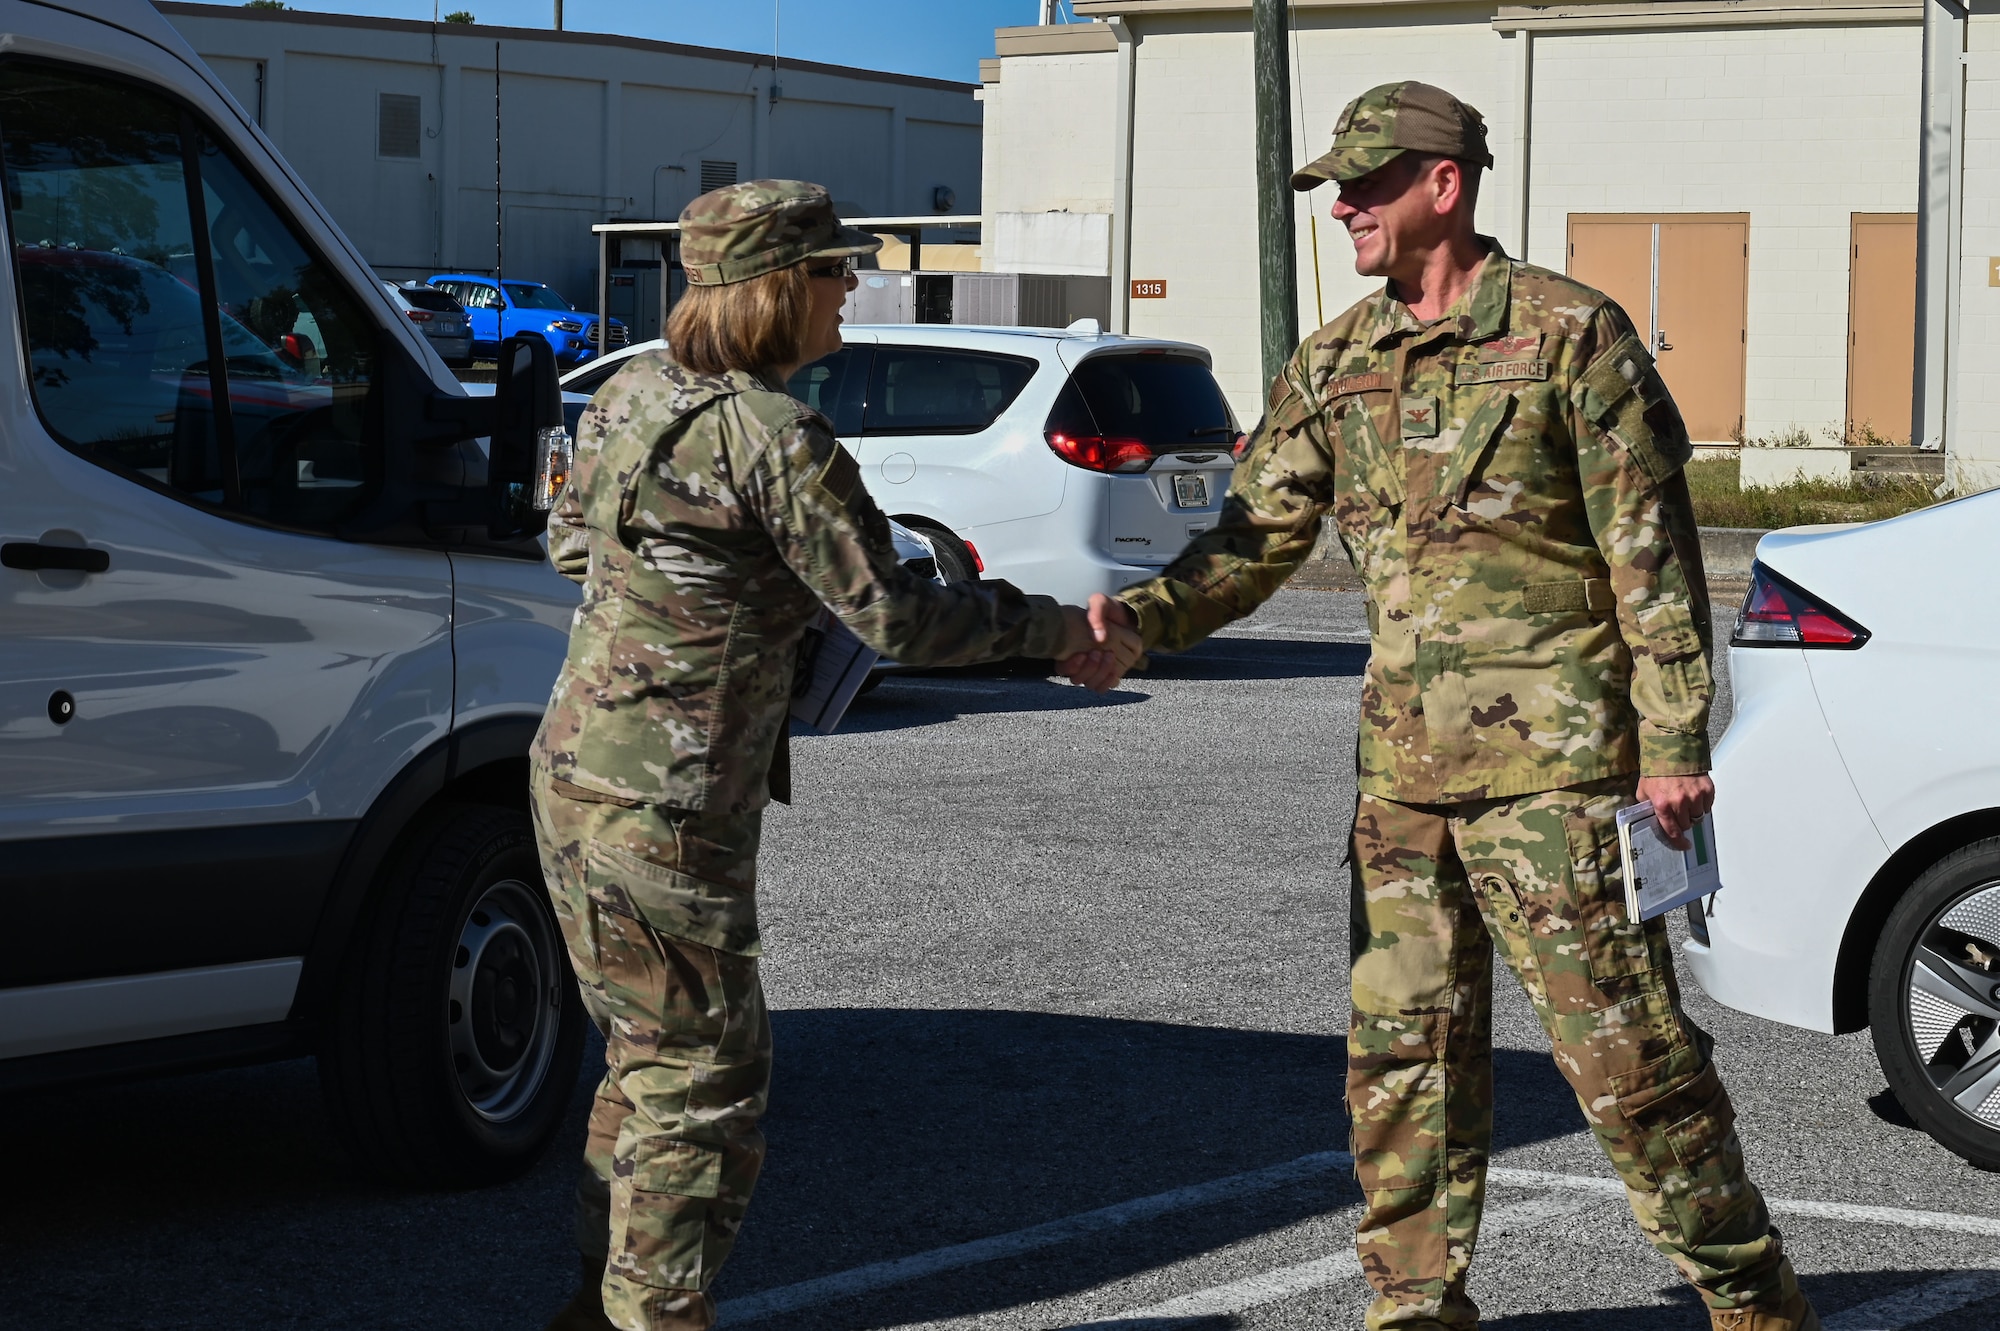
[1098, 453]
[1779, 613]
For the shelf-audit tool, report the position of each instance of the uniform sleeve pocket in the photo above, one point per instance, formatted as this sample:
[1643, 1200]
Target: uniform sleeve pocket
[1668, 627]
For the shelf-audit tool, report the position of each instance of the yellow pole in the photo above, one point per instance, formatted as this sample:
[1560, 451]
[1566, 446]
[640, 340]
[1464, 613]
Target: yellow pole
[1319, 297]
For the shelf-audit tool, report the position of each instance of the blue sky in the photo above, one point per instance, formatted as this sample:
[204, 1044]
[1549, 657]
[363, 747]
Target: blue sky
[941, 38]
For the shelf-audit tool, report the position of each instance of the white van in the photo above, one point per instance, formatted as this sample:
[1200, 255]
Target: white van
[274, 636]
[1066, 461]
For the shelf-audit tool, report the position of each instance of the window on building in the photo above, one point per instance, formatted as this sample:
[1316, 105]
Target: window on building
[399, 125]
[179, 332]
[923, 390]
[716, 175]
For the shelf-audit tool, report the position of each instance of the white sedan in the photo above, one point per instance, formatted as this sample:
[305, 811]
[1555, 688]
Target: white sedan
[1858, 806]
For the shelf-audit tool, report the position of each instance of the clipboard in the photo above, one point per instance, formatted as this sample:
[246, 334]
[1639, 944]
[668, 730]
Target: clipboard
[1659, 878]
[833, 665]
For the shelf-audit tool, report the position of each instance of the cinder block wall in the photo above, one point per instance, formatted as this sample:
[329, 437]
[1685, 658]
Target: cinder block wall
[1798, 127]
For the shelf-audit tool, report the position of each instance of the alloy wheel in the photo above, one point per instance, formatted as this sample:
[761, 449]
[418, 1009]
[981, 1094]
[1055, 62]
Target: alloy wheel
[1953, 1003]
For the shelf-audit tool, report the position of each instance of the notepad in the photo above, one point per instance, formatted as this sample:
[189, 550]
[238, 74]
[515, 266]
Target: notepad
[833, 665]
[1658, 877]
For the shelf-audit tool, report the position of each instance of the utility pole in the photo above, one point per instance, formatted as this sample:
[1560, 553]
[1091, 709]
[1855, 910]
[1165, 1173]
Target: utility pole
[1277, 249]
[558, 15]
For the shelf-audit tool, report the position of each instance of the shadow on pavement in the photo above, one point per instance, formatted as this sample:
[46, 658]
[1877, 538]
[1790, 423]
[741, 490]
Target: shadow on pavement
[894, 1132]
[908, 701]
[1831, 1293]
[218, 1200]
[1261, 658]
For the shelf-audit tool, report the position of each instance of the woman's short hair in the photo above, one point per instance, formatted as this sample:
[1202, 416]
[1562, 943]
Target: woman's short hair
[751, 325]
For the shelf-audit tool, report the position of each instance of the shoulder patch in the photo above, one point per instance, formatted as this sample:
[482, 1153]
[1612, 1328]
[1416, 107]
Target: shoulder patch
[1476, 372]
[840, 477]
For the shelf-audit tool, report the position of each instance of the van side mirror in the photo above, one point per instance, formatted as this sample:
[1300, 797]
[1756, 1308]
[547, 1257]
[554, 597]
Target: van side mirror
[530, 452]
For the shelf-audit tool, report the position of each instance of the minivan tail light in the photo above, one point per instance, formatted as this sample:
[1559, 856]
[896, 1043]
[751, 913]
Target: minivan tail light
[1779, 613]
[1096, 452]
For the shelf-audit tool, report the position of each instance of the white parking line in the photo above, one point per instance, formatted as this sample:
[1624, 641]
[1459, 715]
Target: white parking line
[1339, 1268]
[1931, 1299]
[1290, 631]
[880, 1275]
[918, 1266]
[1847, 1213]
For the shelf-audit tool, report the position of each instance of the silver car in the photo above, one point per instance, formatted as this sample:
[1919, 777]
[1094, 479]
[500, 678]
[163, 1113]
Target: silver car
[438, 317]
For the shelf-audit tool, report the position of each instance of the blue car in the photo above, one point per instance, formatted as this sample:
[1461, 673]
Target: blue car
[499, 309]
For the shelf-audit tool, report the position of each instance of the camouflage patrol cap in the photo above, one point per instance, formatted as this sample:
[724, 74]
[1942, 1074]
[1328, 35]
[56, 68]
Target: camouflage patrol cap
[760, 226]
[1385, 122]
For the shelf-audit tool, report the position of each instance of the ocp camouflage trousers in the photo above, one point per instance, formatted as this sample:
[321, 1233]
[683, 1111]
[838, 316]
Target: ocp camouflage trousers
[674, 1148]
[1437, 888]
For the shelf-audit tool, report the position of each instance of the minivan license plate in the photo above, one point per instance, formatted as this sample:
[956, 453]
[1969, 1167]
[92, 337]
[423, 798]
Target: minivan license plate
[1191, 489]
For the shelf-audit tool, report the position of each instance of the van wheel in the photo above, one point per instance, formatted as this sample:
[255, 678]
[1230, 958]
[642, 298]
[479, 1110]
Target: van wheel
[457, 1030]
[1934, 1002]
[954, 561]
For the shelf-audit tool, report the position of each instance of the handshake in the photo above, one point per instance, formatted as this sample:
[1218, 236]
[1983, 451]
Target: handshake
[1101, 644]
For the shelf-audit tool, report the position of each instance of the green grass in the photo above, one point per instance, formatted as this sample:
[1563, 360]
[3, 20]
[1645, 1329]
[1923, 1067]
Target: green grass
[1719, 501]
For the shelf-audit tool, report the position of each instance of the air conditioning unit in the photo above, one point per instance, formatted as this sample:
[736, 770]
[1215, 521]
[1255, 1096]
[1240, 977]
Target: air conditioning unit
[1029, 300]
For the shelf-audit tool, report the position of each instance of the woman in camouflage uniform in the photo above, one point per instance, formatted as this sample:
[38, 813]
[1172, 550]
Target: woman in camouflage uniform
[709, 518]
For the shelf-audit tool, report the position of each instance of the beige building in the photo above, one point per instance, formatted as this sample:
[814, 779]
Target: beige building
[392, 123]
[1796, 199]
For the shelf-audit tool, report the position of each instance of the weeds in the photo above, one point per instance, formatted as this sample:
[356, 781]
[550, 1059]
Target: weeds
[1720, 500]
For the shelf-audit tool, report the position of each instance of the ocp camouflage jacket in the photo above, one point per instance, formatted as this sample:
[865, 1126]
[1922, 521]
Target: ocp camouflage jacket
[708, 518]
[1507, 481]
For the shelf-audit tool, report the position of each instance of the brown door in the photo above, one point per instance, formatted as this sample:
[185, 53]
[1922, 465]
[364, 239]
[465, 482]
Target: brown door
[1881, 325]
[1615, 256]
[1683, 278]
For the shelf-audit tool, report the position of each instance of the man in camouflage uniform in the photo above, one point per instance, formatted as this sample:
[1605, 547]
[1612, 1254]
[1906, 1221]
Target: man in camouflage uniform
[708, 519]
[1503, 465]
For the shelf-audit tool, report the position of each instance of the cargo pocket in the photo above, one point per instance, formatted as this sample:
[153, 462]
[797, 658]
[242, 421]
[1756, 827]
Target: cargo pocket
[699, 910]
[1684, 1129]
[667, 1238]
[1619, 948]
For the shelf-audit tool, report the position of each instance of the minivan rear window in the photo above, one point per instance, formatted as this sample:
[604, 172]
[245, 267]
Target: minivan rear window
[1166, 401]
[925, 390]
[429, 298]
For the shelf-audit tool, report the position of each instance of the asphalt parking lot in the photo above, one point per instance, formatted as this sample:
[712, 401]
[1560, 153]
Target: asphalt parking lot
[1059, 991]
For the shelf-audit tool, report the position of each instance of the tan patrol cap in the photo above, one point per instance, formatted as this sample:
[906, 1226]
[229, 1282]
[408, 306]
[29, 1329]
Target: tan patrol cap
[759, 226]
[1396, 118]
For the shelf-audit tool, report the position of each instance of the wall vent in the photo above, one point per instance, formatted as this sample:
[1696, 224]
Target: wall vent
[399, 125]
[716, 175]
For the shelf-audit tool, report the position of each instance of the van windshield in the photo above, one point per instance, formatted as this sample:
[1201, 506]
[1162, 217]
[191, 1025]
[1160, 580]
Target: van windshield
[1167, 401]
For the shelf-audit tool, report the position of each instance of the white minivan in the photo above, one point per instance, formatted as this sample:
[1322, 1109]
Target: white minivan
[1066, 461]
[276, 631]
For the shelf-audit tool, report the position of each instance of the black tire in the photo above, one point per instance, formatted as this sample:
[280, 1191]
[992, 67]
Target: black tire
[457, 1030]
[954, 561]
[1937, 1029]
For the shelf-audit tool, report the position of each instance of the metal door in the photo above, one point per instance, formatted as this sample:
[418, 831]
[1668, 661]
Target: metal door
[1882, 326]
[1683, 278]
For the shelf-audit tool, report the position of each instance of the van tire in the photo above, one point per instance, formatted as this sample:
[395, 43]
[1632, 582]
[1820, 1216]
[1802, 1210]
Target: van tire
[459, 966]
[1913, 1077]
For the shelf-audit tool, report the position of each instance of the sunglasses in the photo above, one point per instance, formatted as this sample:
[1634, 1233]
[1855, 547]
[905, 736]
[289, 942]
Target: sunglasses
[841, 268]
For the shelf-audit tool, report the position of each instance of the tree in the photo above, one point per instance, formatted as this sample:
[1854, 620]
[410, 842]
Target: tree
[460, 16]
[264, 4]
